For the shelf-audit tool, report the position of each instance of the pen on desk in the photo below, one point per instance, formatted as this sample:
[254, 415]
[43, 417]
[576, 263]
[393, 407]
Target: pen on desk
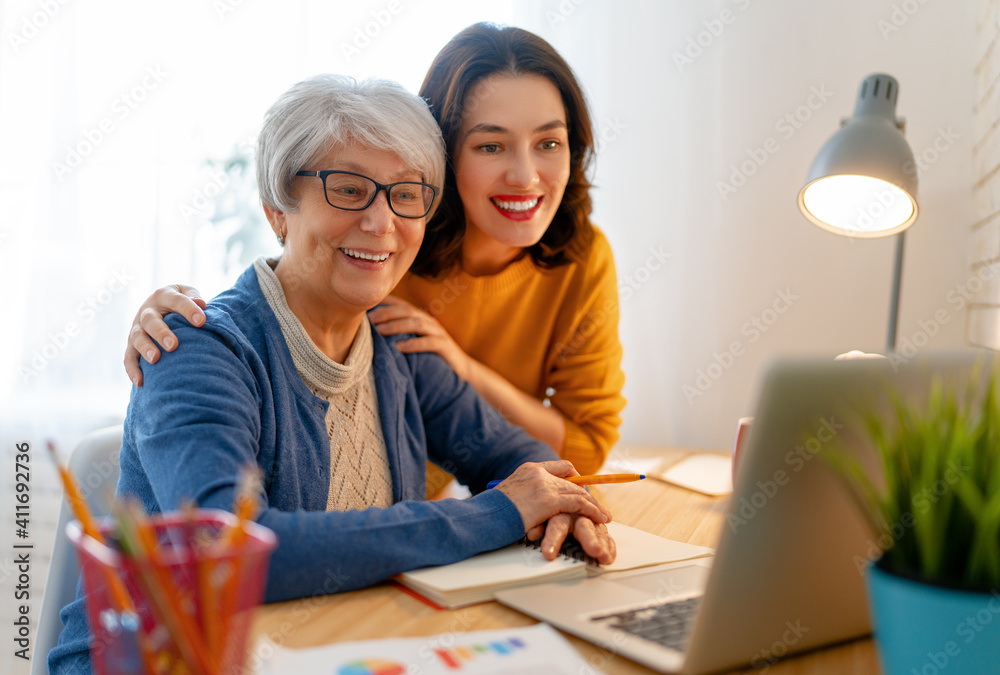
[592, 480]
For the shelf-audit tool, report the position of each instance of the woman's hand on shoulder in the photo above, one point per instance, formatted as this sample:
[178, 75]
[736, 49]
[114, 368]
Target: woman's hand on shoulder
[149, 330]
[395, 316]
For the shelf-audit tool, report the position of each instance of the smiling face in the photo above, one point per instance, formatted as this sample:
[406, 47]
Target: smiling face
[512, 164]
[340, 263]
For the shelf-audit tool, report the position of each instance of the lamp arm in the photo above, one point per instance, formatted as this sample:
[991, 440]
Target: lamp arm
[897, 275]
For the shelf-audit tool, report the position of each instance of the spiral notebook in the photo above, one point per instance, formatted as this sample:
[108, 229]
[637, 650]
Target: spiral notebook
[479, 578]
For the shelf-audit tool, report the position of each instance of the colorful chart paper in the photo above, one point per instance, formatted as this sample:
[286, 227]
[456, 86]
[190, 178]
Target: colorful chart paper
[372, 667]
[534, 650]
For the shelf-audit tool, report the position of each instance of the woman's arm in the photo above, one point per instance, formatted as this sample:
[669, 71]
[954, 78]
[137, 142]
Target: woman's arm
[584, 363]
[148, 328]
[188, 440]
[395, 316]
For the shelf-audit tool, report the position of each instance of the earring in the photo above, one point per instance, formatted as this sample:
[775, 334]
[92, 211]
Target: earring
[281, 237]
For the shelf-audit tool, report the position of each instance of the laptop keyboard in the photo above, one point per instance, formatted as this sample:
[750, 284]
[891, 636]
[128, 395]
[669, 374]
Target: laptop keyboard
[667, 624]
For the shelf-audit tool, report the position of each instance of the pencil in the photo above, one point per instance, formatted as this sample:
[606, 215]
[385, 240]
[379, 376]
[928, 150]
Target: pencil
[606, 478]
[123, 603]
[245, 505]
[140, 543]
[206, 600]
[232, 539]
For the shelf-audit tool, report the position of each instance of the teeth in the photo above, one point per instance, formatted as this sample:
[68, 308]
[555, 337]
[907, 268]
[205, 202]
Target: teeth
[518, 205]
[377, 257]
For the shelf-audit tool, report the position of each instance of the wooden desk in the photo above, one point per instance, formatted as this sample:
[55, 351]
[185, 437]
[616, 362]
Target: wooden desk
[385, 611]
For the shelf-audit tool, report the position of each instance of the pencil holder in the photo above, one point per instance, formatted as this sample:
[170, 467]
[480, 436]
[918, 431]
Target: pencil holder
[186, 607]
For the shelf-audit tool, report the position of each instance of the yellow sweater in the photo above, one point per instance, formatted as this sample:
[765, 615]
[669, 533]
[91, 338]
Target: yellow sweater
[551, 333]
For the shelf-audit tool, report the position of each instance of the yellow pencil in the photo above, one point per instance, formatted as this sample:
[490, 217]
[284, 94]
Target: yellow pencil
[142, 545]
[606, 478]
[123, 603]
[119, 596]
[245, 507]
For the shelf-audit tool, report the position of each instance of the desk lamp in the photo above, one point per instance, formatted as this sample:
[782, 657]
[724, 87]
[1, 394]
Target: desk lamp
[863, 182]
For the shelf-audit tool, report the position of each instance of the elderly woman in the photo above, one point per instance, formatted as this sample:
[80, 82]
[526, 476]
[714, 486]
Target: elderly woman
[288, 372]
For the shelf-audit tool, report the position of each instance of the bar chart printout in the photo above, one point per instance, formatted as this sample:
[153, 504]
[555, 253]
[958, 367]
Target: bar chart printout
[527, 651]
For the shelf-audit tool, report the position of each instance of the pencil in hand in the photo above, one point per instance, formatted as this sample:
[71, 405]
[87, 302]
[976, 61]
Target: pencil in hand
[590, 480]
[598, 479]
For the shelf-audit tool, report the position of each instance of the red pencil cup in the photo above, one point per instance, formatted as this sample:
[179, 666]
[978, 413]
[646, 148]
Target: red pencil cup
[187, 608]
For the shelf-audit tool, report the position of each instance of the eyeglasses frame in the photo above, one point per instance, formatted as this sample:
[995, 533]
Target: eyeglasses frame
[379, 187]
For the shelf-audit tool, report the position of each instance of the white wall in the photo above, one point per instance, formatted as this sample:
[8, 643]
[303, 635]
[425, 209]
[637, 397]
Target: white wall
[681, 126]
[984, 241]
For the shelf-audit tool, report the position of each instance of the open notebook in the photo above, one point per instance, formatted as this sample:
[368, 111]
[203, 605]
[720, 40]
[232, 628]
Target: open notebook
[479, 578]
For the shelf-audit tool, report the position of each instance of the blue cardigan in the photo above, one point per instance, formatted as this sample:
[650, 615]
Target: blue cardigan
[231, 395]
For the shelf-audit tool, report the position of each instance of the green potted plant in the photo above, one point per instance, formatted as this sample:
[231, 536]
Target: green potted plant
[934, 593]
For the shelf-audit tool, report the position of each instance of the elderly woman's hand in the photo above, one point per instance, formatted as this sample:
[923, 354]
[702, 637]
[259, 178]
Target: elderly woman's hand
[594, 538]
[148, 328]
[548, 503]
[394, 316]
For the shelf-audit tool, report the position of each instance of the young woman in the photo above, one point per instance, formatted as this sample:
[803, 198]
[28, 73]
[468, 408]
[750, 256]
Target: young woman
[513, 285]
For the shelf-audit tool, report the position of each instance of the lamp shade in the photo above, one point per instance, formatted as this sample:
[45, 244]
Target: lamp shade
[863, 182]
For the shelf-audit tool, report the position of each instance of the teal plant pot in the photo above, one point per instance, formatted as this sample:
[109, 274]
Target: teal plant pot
[925, 629]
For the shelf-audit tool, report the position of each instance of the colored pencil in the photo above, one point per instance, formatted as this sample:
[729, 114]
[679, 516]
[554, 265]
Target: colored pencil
[248, 487]
[82, 513]
[139, 540]
[606, 478]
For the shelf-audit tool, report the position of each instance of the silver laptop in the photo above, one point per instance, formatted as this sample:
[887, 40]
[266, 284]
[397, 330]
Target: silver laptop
[788, 571]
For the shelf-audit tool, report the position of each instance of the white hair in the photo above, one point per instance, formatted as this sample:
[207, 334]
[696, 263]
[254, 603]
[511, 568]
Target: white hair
[328, 111]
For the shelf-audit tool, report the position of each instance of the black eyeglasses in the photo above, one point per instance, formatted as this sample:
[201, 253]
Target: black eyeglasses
[354, 192]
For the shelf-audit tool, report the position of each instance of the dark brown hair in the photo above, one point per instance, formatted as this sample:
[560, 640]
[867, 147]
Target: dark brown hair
[479, 51]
